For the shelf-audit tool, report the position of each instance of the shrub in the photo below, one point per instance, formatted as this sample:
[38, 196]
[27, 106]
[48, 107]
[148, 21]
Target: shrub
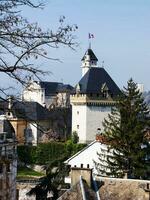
[43, 154]
[75, 137]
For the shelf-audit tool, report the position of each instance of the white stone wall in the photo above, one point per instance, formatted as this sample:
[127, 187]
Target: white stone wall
[36, 130]
[23, 189]
[87, 64]
[140, 87]
[95, 115]
[79, 121]
[63, 99]
[34, 93]
[87, 119]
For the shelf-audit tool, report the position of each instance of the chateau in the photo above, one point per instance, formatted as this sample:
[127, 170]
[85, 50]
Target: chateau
[92, 99]
[48, 94]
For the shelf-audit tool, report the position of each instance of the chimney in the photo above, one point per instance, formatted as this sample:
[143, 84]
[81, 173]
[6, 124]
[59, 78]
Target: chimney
[85, 173]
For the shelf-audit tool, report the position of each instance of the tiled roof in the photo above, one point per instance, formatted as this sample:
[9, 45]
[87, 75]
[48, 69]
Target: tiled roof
[94, 80]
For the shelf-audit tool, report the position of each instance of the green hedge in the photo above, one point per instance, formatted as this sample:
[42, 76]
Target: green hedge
[49, 152]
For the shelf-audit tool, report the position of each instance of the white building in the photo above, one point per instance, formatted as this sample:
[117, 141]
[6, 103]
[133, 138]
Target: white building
[140, 87]
[48, 94]
[93, 98]
[87, 157]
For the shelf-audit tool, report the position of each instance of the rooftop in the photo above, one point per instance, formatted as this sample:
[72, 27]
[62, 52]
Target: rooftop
[95, 80]
[91, 54]
[30, 110]
[54, 87]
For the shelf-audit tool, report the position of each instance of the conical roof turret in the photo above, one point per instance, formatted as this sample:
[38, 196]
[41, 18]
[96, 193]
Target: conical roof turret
[91, 55]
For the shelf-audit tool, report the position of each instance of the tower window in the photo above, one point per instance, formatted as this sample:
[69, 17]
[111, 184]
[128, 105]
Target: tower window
[77, 126]
[78, 112]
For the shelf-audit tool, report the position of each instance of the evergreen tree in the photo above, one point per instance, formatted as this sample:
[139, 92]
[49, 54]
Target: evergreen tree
[128, 146]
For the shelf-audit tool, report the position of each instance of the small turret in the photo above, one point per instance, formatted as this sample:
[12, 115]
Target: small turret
[89, 60]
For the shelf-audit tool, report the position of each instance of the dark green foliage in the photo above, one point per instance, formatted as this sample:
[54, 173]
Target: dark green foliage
[51, 182]
[47, 153]
[124, 131]
[52, 155]
[75, 137]
[72, 148]
[48, 184]
[26, 154]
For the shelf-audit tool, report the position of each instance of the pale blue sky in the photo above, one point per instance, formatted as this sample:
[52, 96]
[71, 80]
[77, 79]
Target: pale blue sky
[122, 37]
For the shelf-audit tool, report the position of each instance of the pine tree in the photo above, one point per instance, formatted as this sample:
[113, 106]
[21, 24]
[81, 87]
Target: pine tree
[128, 146]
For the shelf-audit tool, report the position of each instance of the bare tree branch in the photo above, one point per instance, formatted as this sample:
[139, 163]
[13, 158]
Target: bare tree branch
[21, 41]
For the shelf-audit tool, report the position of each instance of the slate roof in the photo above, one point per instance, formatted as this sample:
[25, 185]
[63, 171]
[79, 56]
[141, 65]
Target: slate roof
[50, 87]
[65, 87]
[30, 111]
[94, 79]
[91, 54]
[54, 87]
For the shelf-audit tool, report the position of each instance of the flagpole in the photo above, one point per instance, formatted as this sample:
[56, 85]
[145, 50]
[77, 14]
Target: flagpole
[89, 44]
[89, 37]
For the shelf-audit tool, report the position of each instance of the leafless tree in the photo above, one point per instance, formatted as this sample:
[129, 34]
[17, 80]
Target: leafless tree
[21, 41]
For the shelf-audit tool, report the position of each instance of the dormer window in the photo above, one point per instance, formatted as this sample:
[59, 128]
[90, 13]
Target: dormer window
[78, 88]
[104, 90]
[105, 94]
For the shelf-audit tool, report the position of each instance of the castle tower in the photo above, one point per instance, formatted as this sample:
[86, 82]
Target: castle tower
[93, 98]
[89, 60]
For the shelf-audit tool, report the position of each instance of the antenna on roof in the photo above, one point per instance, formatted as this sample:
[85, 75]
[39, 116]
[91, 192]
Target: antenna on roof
[103, 64]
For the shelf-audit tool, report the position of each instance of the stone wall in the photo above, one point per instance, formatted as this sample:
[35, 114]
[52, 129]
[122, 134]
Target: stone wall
[22, 189]
[123, 189]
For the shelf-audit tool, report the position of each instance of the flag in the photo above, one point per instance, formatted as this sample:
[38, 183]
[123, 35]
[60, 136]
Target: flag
[91, 35]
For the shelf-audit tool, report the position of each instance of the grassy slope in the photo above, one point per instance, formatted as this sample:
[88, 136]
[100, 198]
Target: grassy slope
[27, 172]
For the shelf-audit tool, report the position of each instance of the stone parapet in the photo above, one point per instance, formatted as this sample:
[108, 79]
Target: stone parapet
[80, 99]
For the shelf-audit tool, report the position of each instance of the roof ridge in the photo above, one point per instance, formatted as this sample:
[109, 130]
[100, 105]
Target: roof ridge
[80, 151]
